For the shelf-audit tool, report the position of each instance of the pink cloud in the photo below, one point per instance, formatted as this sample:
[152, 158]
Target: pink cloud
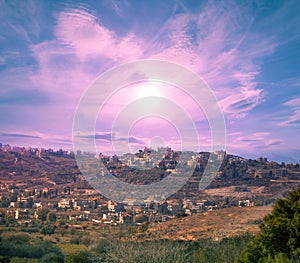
[214, 53]
[241, 103]
[59, 71]
[293, 103]
[256, 142]
[81, 31]
[208, 43]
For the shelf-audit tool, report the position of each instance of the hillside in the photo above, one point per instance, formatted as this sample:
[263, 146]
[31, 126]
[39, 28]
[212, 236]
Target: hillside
[239, 178]
[227, 222]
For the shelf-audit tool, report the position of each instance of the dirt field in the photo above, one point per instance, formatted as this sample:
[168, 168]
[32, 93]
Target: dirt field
[214, 224]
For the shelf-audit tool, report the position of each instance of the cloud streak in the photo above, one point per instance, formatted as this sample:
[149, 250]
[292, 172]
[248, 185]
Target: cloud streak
[294, 118]
[258, 142]
[19, 135]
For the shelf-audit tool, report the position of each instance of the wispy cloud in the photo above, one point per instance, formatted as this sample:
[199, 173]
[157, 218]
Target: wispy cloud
[82, 32]
[293, 103]
[242, 102]
[256, 141]
[19, 135]
[215, 45]
[294, 118]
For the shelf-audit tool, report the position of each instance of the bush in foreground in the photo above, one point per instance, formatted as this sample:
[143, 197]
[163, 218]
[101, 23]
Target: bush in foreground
[205, 250]
[279, 237]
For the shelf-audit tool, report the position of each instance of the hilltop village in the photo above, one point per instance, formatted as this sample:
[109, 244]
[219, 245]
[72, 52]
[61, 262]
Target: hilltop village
[46, 185]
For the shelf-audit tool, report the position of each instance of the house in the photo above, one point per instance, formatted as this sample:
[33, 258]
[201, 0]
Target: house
[22, 199]
[21, 214]
[188, 212]
[198, 206]
[96, 221]
[243, 203]
[135, 208]
[84, 204]
[111, 206]
[258, 174]
[64, 203]
[281, 172]
[175, 208]
[211, 207]
[262, 160]
[38, 205]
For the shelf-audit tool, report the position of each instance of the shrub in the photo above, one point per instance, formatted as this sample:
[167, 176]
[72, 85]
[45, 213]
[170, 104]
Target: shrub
[52, 258]
[279, 235]
[20, 246]
[80, 257]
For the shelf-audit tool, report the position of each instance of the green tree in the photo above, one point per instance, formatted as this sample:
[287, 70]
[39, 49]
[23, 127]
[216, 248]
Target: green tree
[48, 229]
[279, 233]
[51, 217]
[14, 197]
[9, 220]
[80, 257]
[4, 202]
[42, 214]
[30, 203]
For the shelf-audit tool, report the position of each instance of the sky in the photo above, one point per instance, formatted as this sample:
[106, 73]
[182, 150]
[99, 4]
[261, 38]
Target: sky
[247, 53]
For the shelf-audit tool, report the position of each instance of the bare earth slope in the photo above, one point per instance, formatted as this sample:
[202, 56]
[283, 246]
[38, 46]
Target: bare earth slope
[214, 224]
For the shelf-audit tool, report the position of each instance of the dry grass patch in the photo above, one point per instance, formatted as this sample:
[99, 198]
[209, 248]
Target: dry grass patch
[215, 224]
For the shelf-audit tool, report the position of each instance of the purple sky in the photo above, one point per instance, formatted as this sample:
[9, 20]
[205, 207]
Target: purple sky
[248, 54]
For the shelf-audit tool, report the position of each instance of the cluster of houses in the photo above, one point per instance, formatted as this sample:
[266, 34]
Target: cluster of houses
[92, 207]
[36, 151]
[85, 204]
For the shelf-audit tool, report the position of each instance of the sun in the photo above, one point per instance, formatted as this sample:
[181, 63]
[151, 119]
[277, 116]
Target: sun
[149, 90]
